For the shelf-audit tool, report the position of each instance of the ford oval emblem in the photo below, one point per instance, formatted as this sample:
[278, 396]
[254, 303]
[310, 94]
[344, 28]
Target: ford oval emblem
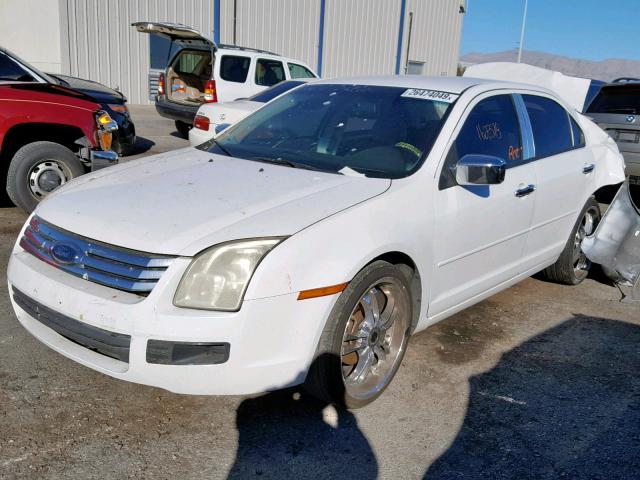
[631, 118]
[63, 253]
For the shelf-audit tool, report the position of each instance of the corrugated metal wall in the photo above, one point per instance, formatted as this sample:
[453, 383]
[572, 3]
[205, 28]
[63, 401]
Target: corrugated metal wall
[435, 37]
[287, 27]
[360, 36]
[99, 43]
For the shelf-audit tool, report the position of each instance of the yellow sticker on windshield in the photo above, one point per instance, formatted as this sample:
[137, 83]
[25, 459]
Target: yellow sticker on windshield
[436, 95]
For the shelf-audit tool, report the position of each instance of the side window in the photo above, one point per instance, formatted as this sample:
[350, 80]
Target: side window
[550, 125]
[269, 72]
[298, 71]
[10, 70]
[576, 131]
[491, 128]
[234, 68]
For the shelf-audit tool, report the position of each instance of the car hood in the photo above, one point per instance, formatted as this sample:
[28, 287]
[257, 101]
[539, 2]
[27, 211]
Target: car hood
[182, 202]
[100, 93]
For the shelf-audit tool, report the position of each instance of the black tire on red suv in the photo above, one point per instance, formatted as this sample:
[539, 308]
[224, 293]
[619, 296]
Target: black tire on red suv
[37, 169]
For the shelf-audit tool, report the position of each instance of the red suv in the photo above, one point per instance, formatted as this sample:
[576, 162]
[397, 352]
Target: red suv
[49, 134]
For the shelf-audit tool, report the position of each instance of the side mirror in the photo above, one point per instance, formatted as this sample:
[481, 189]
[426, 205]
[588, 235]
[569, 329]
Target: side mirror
[475, 169]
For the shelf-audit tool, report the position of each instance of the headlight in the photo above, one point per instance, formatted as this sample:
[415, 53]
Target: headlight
[218, 277]
[119, 107]
[106, 127]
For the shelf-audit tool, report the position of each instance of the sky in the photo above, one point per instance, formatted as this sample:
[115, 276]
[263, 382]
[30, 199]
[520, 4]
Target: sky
[584, 29]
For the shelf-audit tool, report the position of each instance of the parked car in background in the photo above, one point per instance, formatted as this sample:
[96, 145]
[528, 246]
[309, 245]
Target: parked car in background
[616, 109]
[113, 102]
[199, 71]
[308, 241]
[213, 118]
[49, 134]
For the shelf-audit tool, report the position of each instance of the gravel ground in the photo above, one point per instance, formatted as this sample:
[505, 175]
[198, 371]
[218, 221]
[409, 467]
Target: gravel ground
[540, 381]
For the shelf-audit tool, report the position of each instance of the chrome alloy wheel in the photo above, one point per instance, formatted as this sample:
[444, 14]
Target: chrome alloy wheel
[588, 224]
[46, 176]
[375, 338]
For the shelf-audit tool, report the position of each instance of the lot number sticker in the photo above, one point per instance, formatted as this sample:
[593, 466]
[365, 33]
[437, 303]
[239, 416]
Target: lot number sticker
[430, 95]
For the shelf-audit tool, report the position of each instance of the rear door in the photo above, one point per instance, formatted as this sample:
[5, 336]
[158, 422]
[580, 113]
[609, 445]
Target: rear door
[166, 39]
[268, 72]
[481, 230]
[565, 170]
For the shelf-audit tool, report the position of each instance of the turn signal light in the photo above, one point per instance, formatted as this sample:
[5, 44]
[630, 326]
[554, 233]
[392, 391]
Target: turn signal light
[322, 292]
[161, 84]
[210, 93]
[201, 122]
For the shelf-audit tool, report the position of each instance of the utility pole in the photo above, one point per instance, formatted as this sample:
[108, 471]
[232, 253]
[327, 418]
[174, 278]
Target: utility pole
[524, 21]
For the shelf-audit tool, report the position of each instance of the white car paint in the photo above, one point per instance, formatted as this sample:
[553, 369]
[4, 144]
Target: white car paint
[465, 246]
[224, 113]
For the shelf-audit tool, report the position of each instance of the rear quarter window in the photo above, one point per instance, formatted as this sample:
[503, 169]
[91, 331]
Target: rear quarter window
[298, 71]
[552, 131]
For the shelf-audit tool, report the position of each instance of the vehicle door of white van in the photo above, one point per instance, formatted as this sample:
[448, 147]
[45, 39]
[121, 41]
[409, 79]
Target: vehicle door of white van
[480, 231]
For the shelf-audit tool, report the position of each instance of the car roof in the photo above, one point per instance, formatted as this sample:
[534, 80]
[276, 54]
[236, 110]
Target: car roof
[451, 84]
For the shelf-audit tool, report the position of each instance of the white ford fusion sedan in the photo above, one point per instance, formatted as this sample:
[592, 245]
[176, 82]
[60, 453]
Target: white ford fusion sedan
[310, 240]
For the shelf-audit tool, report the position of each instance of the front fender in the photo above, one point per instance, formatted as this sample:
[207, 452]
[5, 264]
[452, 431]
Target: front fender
[335, 249]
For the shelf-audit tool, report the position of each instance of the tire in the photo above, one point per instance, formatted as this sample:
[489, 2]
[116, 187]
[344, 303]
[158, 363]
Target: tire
[338, 374]
[572, 267]
[37, 169]
[183, 128]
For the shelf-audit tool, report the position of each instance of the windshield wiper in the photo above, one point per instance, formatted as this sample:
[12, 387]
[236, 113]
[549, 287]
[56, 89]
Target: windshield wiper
[284, 161]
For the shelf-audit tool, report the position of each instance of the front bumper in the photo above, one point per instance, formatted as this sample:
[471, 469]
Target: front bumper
[271, 340]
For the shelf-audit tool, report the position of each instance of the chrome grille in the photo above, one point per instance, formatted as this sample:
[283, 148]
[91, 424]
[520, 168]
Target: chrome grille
[114, 267]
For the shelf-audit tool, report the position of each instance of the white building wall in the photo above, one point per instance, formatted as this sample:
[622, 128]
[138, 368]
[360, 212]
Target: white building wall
[93, 38]
[360, 37]
[31, 30]
[435, 36]
[287, 27]
[101, 45]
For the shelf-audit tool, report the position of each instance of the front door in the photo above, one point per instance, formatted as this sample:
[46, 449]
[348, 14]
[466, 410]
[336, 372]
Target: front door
[480, 232]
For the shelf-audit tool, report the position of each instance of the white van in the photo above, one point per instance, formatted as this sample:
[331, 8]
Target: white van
[201, 71]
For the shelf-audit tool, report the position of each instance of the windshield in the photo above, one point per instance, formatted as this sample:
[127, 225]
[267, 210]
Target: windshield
[376, 131]
[617, 99]
[275, 91]
[21, 68]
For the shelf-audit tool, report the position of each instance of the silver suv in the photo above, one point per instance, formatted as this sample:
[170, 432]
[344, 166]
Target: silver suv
[616, 108]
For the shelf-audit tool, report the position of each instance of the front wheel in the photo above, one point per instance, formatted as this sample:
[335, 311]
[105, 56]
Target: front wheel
[573, 266]
[37, 169]
[365, 338]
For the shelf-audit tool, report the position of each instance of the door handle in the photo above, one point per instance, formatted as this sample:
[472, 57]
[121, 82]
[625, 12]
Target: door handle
[588, 168]
[524, 191]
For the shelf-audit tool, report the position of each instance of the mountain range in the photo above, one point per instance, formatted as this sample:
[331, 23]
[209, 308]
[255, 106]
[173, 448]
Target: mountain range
[606, 70]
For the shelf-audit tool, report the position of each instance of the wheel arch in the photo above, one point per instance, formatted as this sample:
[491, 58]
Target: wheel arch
[22, 134]
[410, 268]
